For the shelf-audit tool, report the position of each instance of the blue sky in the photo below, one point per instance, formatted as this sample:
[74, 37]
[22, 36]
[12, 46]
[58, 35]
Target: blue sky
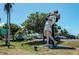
[69, 13]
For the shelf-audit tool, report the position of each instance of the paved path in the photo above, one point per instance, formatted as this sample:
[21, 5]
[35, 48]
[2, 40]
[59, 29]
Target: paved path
[61, 40]
[69, 39]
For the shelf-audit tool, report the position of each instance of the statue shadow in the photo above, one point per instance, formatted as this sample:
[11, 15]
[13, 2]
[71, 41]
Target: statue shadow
[35, 43]
[61, 47]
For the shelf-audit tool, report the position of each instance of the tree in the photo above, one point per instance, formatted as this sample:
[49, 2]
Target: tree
[7, 8]
[71, 36]
[2, 32]
[35, 22]
[56, 29]
[64, 32]
[78, 36]
[13, 29]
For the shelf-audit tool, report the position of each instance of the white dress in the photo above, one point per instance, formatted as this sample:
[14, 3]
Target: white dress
[48, 28]
[48, 25]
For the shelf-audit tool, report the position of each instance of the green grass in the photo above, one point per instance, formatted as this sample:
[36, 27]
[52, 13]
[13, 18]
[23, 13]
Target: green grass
[71, 43]
[28, 48]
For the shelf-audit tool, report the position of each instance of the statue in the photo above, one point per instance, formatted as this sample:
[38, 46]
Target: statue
[49, 28]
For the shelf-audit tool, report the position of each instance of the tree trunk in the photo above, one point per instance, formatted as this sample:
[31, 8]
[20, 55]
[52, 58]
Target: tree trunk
[13, 37]
[6, 38]
[8, 29]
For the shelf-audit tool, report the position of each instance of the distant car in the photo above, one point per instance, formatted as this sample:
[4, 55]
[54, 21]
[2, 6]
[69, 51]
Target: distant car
[60, 37]
[36, 35]
[28, 37]
[19, 37]
[57, 38]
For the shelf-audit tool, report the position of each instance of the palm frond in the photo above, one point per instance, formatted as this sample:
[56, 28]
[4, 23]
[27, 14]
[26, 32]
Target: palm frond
[8, 7]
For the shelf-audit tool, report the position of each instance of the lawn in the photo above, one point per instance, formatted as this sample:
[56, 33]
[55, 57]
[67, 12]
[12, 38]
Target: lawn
[71, 43]
[17, 48]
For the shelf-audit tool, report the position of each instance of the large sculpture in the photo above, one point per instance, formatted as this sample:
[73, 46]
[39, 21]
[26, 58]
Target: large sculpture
[52, 18]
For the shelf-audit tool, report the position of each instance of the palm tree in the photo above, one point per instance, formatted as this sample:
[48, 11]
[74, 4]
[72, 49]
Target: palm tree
[7, 8]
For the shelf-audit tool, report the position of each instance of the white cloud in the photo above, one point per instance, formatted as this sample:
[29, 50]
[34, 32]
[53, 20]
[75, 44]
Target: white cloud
[66, 27]
[1, 24]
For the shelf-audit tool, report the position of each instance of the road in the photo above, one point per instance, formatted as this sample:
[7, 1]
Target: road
[69, 39]
[61, 40]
